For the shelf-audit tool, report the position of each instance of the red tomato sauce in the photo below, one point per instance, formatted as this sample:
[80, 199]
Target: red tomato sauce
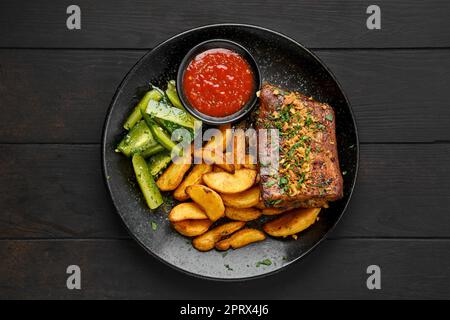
[218, 82]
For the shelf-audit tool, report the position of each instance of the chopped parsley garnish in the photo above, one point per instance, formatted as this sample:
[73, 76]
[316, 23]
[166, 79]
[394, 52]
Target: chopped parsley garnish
[320, 126]
[308, 121]
[228, 267]
[154, 226]
[329, 117]
[344, 173]
[265, 262]
[274, 202]
[284, 184]
[270, 183]
[301, 179]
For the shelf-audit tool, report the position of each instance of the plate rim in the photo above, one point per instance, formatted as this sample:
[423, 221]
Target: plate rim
[103, 152]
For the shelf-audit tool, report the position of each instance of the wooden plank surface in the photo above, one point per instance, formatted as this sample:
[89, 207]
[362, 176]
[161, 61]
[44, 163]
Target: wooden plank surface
[120, 269]
[62, 96]
[57, 191]
[143, 24]
[55, 89]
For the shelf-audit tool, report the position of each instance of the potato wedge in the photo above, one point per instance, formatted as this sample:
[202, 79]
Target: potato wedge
[208, 200]
[243, 214]
[208, 240]
[217, 169]
[240, 239]
[249, 163]
[194, 177]
[273, 211]
[172, 177]
[210, 154]
[239, 148]
[260, 205]
[222, 163]
[225, 182]
[225, 130]
[245, 199]
[187, 211]
[292, 222]
[219, 160]
[192, 228]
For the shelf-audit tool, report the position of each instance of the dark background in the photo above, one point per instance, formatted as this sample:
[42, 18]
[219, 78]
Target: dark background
[55, 89]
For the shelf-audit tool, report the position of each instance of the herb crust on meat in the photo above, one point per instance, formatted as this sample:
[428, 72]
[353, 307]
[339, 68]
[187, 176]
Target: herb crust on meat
[308, 171]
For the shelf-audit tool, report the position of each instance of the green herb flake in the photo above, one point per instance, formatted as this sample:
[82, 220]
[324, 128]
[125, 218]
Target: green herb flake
[308, 121]
[154, 226]
[228, 267]
[265, 262]
[329, 117]
[344, 173]
[270, 183]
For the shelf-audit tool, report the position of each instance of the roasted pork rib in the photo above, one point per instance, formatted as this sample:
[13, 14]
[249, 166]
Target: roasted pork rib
[308, 174]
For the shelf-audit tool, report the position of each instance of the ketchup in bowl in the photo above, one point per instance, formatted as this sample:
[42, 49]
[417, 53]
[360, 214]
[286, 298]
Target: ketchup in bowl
[218, 82]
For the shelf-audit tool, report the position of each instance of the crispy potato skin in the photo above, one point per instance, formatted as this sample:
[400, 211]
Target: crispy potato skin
[192, 228]
[240, 239]
[225, 182]
[208, 200]
[210, 152]
[194, 177]
[187, 211]
[249, 163]
[218, 169]
[208, 240]
[245, 199]
[260, 205]
[273, 211]
[172, 177]
[243, 214]
[292, 222]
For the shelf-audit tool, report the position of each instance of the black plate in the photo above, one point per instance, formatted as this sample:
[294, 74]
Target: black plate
[283, 62]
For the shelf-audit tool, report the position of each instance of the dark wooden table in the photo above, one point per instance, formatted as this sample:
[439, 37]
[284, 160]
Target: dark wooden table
[55, 89]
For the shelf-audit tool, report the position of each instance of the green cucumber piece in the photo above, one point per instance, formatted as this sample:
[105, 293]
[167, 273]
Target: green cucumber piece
[149, 189]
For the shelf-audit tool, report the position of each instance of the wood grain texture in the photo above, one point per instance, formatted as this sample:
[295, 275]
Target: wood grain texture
[119, 269]
[143, 24]
[62, 96]
[57, 191]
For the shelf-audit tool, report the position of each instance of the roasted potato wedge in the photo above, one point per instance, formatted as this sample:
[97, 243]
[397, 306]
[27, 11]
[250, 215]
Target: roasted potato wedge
[208, 240]
[210, 154]
[217, 169]
[172, 177]
[260, 205]
[245, 199]
[225, 182]
[194, 177]
[225, 129]
[192, 228]
[208, 200]
[219, 160]
[239, 148]
[292, 222]
[243, 214]
[273, 211]
[187, 211]
[240, 239]
[248, 162]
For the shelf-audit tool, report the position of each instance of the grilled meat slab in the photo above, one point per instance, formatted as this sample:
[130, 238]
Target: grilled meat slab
[308, 174]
